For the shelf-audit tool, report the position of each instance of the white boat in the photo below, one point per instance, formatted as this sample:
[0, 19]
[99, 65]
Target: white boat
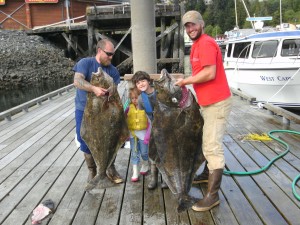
[266, 66]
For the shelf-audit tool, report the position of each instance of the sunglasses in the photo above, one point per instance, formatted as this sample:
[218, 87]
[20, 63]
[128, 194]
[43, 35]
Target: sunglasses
[108, 53]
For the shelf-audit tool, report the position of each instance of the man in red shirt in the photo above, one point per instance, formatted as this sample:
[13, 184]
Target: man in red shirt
[214, 97]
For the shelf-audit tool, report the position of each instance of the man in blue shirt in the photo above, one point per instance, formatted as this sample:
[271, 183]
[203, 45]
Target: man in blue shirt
[83, 73]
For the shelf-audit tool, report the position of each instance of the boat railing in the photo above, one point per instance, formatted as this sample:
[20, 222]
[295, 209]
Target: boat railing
[37, 101]
[246, 48]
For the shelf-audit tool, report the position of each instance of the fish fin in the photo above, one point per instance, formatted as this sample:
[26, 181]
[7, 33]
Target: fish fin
[98, 183]
[186, 202]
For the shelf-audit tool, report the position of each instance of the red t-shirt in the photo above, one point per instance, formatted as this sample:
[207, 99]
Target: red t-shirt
[205, 51]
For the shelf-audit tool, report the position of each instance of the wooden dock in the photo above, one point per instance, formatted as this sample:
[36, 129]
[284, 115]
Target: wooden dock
[39, 160]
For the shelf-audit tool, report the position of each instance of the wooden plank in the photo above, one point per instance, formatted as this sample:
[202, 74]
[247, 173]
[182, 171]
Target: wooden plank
[132, 207]
[27, 140]
[154, 210]
[70, 201]
[113, 201]
[282, 112]
[35, 111]
[221, 214]
[15, 132]
[243, 95]
[25, 182]
[171, 203]
[282, 177]
[8, 113]
[123, 49]
[46, 173]
[28, 153]
[15, 173]
[79, 53]
[128, 62]
[269, 188]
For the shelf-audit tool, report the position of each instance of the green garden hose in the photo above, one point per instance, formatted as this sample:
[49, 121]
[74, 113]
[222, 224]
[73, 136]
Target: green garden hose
[227, 172]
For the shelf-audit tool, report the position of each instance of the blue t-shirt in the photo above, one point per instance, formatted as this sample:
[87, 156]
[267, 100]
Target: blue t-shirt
[87, 66]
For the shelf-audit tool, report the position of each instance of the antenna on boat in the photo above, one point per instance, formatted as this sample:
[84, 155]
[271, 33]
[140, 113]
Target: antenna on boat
[280, 14]
[236, 20]
[247, 13]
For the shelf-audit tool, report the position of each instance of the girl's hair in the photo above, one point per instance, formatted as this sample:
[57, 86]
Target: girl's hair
[140, 75]
[133, 92]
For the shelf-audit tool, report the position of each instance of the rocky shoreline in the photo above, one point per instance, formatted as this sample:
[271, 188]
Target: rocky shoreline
[27, 60]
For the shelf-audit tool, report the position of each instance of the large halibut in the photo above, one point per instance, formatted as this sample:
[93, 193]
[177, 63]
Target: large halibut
[103, 127]
[176, 137]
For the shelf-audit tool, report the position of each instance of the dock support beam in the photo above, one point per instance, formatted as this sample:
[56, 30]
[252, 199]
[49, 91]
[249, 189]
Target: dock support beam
[143, 35]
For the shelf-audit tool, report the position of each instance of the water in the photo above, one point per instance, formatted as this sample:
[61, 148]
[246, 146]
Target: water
[15, 97]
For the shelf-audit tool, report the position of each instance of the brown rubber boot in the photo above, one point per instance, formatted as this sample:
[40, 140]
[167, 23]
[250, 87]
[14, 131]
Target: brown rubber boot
[202, 177]
[91, 166]
[113, 174]
[211, 198]
[154, 177]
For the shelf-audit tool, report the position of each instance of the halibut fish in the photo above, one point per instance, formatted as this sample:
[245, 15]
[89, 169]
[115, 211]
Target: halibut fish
[103, 127]
[176, 137]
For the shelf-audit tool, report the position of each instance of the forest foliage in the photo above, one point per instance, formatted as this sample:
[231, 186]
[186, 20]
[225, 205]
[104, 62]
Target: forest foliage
[220, 17]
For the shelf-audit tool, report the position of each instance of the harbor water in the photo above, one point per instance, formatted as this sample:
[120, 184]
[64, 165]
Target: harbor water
[15, 97]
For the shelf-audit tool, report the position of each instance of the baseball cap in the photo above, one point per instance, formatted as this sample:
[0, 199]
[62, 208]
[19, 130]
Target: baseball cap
[192, 17]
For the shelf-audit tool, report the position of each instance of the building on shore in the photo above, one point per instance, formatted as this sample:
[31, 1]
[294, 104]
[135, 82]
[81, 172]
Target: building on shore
[27, 14]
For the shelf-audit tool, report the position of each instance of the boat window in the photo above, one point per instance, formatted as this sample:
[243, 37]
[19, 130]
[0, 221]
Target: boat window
[291, 47]
[265, 49]
[229, 50]
[241, 50]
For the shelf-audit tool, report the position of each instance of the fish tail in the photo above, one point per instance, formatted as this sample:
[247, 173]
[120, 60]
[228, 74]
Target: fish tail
[92, 183]
[99, 183]
[185, 203]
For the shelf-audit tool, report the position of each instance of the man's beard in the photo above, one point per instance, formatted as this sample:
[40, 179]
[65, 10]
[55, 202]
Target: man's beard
[197, 36]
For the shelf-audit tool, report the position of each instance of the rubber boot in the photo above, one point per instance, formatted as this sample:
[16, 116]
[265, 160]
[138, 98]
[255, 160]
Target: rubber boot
[113, 174]
[91, 166]
[135, 175]
[202, 177]
[145, 167]
[211, 198]
[154, 177]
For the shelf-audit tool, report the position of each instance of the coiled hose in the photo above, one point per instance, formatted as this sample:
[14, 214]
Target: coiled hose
[287, 147]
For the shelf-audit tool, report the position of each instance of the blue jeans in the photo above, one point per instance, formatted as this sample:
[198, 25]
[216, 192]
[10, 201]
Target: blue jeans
[78, 119]
[140, 150]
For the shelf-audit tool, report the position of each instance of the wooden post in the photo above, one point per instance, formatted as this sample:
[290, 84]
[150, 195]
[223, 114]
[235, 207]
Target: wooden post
[181, 41]
[176, 46]
[91, 38]
[28, 15]
[163, 39]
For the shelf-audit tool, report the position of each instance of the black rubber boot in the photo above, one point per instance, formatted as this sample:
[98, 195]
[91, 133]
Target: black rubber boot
[154, 177]
[202, 177]
[91, 166]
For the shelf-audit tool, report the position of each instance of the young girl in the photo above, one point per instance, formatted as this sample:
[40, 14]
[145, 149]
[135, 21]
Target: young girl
[146, 101]
[137, 123]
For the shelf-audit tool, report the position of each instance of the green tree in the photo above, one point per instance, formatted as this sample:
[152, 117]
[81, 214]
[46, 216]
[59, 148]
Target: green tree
[209, 30]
